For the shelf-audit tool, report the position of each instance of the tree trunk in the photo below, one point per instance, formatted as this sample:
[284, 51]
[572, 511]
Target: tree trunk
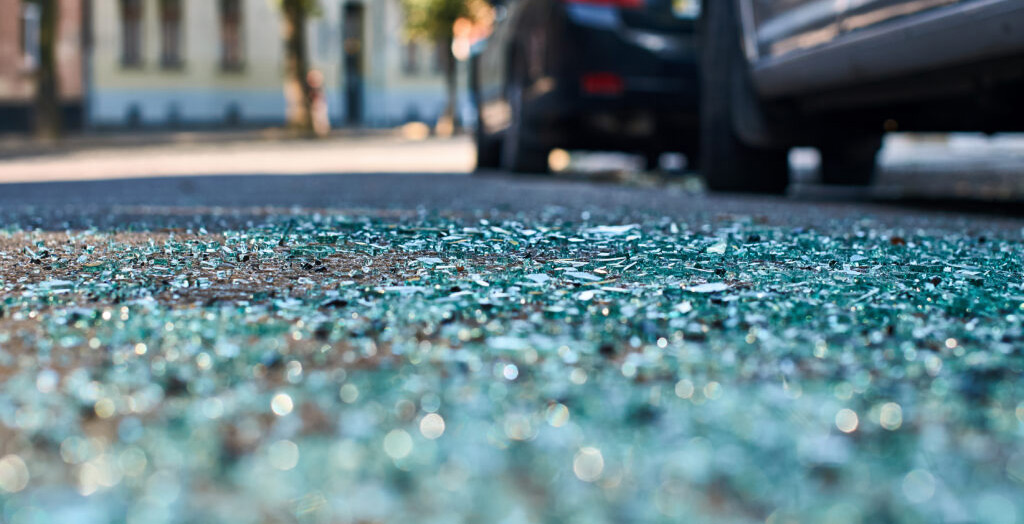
[47, 98]
[449, 122]
[298, 93]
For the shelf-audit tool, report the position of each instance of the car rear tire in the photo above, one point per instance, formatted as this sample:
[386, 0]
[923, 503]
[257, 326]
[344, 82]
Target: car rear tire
[727, 162]
[519, 151]
[692, 159]
[488, 150]
[652, 161]
[851, 161]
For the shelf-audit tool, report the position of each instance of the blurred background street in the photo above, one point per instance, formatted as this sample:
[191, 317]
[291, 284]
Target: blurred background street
[104, 89]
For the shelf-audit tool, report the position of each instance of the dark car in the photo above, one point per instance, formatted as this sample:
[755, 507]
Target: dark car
[586, 74]
[838, 74]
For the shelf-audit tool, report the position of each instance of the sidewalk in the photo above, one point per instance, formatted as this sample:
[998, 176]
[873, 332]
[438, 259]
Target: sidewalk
[230, 153]
[21, 145]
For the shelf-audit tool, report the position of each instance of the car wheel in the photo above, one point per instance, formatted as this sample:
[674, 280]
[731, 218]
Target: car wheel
[727, 162]
[692, 159]
[652, 161]
[488, 150]
[519, 151]
[850, 162]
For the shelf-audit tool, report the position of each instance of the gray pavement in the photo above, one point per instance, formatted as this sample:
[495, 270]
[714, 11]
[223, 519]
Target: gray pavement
[183, 183]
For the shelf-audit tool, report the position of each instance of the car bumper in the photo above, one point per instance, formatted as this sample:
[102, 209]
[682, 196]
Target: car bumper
[656, 108]
[637, 119]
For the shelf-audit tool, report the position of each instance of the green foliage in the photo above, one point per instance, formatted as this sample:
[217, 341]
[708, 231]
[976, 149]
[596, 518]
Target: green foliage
[433, 19]
[310, 8]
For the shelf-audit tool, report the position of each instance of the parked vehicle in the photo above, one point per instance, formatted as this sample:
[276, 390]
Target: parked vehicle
[837, 75]
[586, 74]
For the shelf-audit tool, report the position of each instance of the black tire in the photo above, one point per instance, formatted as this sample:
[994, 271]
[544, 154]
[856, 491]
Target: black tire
[488, 150]
[851, 161]
[519, 151]
[488, 147]
[652, 161]
[692, 159]
[727, 162]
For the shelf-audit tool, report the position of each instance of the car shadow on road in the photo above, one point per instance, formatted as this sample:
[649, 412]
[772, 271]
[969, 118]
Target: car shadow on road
[935, 202]
[227, 201]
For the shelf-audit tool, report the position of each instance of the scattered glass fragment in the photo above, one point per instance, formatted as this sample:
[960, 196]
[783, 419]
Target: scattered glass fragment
[690, 372]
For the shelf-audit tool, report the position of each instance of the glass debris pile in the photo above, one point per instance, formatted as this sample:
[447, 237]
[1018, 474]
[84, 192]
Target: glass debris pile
[351, 369]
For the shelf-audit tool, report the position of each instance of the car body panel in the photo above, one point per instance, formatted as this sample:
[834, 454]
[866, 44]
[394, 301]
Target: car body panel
[877, 40]
[864, 14]
[780, 27]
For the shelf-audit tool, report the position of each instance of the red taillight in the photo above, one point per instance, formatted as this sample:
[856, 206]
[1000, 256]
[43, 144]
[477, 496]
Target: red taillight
[624, 4]
[608, 84]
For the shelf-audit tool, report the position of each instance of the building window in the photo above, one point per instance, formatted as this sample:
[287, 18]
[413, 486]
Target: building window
[231, 56]
[30, 35]
[410, 58]
[170, 33]
[131, 33]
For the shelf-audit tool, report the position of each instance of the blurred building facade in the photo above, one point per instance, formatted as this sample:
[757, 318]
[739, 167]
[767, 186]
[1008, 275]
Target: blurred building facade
[19, 58]
[167, 63]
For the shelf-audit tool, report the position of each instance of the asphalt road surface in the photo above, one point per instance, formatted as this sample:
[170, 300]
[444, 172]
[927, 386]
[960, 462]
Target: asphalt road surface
[966, 180]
